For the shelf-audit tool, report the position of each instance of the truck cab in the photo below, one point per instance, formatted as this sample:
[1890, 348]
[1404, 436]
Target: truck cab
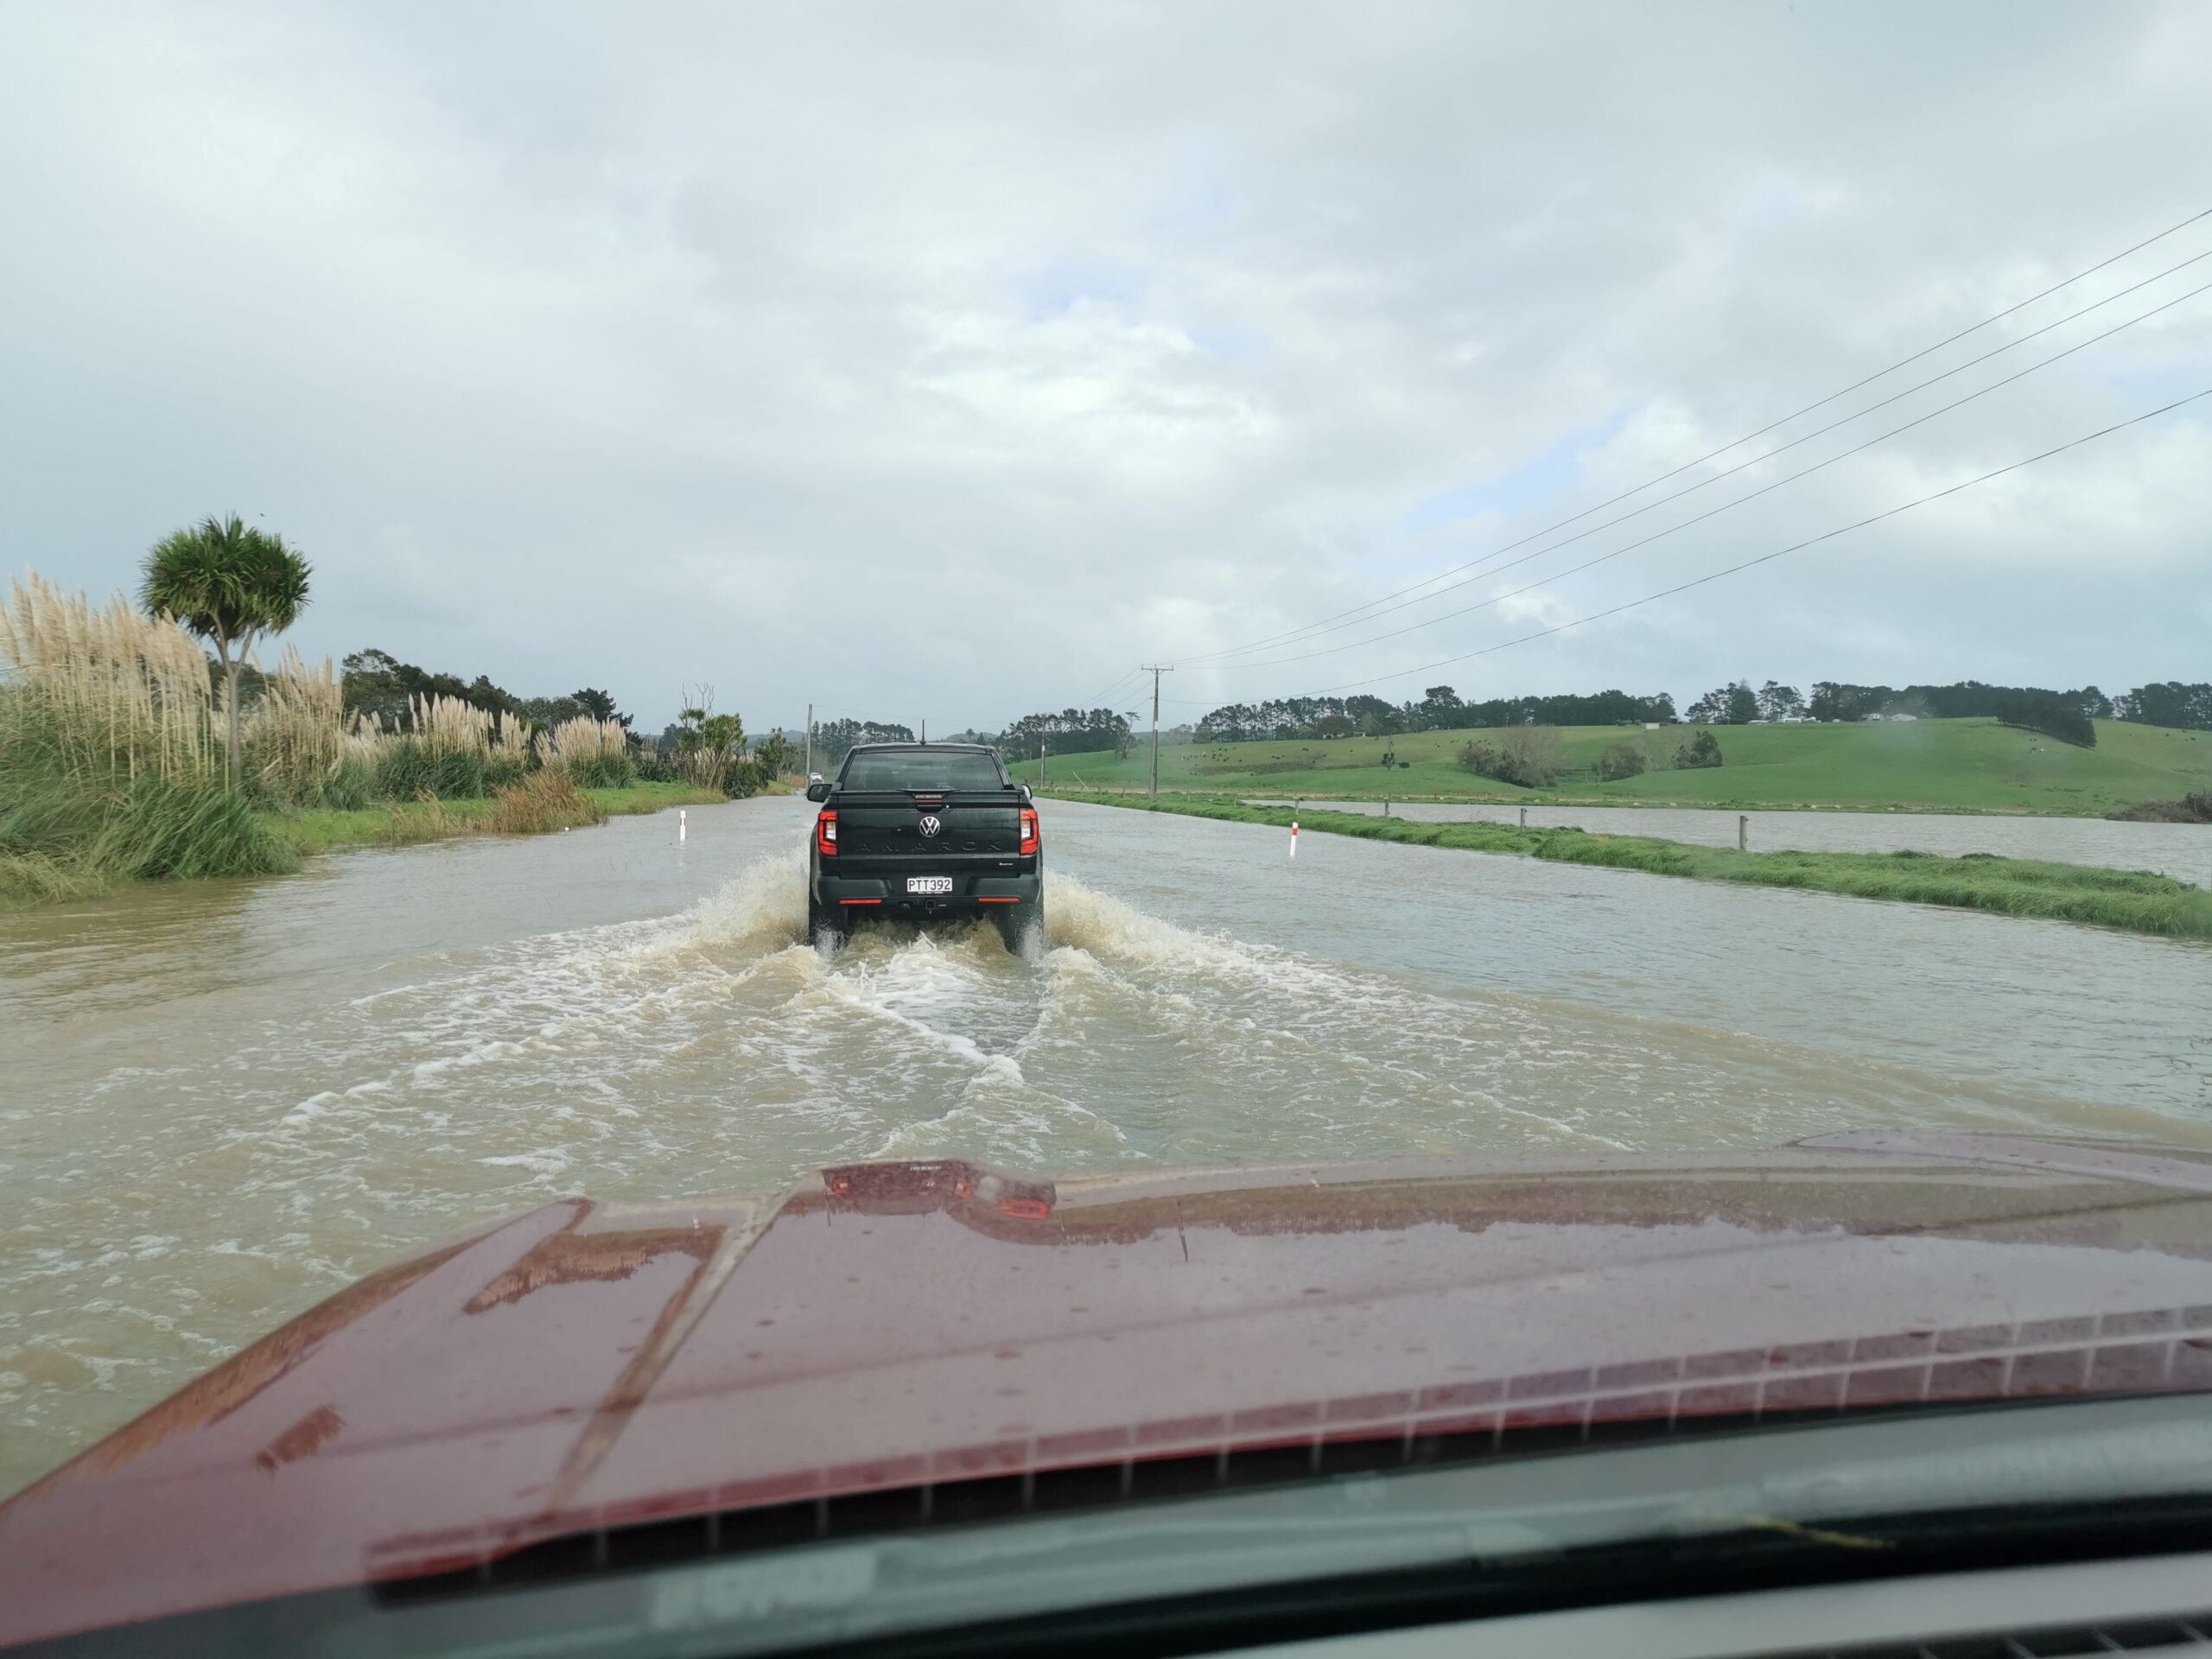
[925, 832]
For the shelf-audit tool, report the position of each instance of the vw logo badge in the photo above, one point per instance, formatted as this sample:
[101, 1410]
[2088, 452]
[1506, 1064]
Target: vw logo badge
[930, 825]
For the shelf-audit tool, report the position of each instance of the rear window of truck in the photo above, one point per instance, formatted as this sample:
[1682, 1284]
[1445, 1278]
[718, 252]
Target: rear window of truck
[922, 769]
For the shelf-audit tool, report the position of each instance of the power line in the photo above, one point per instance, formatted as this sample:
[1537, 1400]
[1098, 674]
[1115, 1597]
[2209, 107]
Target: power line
[1754, 460]
[1794, 547]
[1290, 635]
[1765, 489]
[1099, 698]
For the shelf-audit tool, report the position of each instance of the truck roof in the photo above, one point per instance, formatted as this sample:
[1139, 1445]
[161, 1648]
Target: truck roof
[973, 748]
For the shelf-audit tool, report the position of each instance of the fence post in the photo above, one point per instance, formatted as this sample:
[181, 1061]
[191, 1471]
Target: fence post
[1524, 817]
[1743, 832]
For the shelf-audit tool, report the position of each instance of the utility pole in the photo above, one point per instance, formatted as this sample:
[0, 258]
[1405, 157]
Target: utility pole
[809, 742]
[1044, 757]
[1155, 673]
[925, 731]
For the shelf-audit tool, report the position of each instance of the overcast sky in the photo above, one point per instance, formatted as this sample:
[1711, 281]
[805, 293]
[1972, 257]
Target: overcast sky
[946, 362]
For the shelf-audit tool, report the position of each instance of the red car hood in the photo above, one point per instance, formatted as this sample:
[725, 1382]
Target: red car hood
[904, 1326]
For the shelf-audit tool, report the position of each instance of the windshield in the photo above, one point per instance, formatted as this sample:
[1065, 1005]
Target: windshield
[921, 769]
[804, 772]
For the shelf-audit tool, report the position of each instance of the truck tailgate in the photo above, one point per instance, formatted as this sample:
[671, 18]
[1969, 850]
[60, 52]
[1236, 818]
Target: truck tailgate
[889, 824]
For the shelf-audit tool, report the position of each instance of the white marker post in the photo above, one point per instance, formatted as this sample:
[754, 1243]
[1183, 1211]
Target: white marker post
[1293, 840]
[683, 823]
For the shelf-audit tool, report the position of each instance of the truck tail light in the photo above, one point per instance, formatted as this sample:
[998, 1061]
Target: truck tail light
[1028, 831]
[825, 834]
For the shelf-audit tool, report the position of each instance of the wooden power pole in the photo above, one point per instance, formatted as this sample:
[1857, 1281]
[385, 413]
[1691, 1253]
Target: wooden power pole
[1156, 673]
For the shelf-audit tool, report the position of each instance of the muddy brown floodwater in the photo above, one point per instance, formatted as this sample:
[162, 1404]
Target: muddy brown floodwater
[2181, 850]
[221, 1102]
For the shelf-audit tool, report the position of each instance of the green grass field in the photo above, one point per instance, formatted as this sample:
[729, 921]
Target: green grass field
[2132, 899]
[1929, 766]
[327, 830]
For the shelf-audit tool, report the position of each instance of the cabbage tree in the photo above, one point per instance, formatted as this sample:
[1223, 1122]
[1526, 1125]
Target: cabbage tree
[229, 583]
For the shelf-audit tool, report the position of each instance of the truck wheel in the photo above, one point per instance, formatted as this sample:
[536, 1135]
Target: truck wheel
[820, 925]
[1017, 922]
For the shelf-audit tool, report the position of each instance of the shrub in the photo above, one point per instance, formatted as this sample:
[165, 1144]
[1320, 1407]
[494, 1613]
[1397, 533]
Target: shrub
[1527, 756]
[107, 689]
[71, 829]
[423, 821]
[109, 765]
[2190, 809]
[410, 768]
[403, 770]
[37, 878]
[1618, 761]
[741, 779]
[614, 771]
[296, 736]
[349, 789]
[162, 828]
[451, 749]
[1703, 750]
[459, 775]
[547, 799]
[595, 752]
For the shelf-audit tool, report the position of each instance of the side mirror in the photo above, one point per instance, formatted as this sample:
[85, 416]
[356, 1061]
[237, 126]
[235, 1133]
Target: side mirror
[818, 791]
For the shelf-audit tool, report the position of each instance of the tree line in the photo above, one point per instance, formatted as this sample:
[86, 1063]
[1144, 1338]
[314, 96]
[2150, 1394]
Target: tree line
[1962, 700]
[380, 687]
[1071, 731]
[702, 745]
[1440, 709]
[835, 739]
[2170, 702]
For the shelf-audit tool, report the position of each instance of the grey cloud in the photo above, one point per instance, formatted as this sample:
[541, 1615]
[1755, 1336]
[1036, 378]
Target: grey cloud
[946, 362]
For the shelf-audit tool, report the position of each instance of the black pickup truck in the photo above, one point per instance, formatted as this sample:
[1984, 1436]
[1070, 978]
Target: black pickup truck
[922, 832]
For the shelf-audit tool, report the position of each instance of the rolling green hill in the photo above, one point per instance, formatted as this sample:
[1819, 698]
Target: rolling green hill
[1929, 766]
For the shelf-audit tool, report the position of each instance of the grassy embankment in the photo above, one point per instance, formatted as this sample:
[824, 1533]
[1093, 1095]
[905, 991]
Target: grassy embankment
[1929, 766]
[2135, 900]
[112, 764]
[394, 823]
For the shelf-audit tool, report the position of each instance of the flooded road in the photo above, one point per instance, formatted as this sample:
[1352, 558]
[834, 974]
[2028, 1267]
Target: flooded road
[2181, 850]
[221, 1102]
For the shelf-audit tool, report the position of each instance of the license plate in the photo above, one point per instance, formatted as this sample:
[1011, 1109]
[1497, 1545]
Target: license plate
[929, 884]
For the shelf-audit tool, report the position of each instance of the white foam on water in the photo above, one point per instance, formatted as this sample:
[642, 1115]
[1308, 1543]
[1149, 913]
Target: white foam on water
[543, 1165]
[765, 904]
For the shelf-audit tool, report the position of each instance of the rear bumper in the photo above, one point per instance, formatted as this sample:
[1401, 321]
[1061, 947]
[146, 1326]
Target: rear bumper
[972, 895]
